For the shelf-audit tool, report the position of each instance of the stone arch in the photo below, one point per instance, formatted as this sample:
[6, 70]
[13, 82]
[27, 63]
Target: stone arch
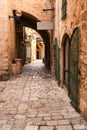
[28, 20]
[64, 60]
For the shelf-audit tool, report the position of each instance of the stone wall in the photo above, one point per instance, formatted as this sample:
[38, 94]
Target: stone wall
[76, 17]
[8, 49]
[35, 7]
[3, 39]
[7, 39]
[11, 36]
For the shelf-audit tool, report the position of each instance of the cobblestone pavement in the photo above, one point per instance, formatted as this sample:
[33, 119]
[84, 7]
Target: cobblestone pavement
[33, 101]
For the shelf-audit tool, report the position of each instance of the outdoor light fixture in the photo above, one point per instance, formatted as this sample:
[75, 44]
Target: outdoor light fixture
[52, 9]
[18, 14]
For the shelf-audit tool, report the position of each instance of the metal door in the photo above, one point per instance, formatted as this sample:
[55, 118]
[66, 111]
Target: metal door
[73, 68]
[57, 59]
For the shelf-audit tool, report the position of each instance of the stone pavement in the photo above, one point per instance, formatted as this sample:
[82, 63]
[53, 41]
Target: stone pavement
[33, 101]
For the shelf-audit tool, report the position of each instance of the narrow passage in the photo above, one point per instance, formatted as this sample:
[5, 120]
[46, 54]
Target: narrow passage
[34, 101]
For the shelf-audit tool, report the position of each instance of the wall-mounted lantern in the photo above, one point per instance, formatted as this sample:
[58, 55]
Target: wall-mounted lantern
[18, 14]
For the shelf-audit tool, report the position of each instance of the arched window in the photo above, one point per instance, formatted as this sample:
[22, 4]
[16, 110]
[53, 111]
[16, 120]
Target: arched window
[66, 45]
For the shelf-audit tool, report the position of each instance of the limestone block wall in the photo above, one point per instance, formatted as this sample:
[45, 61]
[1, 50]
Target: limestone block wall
[11, 35]
[76, 16]
[3, 37]
[34, 7]
[7, 39]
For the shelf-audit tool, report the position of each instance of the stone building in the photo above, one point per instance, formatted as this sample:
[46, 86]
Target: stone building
[70, 35]
[12, 33]
[68, 39]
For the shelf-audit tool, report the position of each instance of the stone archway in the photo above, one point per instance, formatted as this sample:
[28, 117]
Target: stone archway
[30, 21]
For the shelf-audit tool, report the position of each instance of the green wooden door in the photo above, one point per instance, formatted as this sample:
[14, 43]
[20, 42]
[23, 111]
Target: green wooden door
[57, 45]
[73, 68]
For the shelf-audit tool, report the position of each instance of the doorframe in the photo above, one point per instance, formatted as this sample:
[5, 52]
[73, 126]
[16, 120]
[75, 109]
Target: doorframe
[64, 40]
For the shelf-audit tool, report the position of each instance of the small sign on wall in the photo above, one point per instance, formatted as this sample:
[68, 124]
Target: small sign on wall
[44, 25]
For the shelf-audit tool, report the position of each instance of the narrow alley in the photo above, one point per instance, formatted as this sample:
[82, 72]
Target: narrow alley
[33, 101]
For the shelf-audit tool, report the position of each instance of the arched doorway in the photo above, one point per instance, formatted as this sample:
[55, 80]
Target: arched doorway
[65, 46]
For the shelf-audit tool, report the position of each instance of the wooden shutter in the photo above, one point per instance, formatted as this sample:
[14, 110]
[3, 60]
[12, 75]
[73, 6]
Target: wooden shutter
[63, 9]
[57, 45]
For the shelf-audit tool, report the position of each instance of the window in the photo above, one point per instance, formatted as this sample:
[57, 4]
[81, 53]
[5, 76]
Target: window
[63, 9]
